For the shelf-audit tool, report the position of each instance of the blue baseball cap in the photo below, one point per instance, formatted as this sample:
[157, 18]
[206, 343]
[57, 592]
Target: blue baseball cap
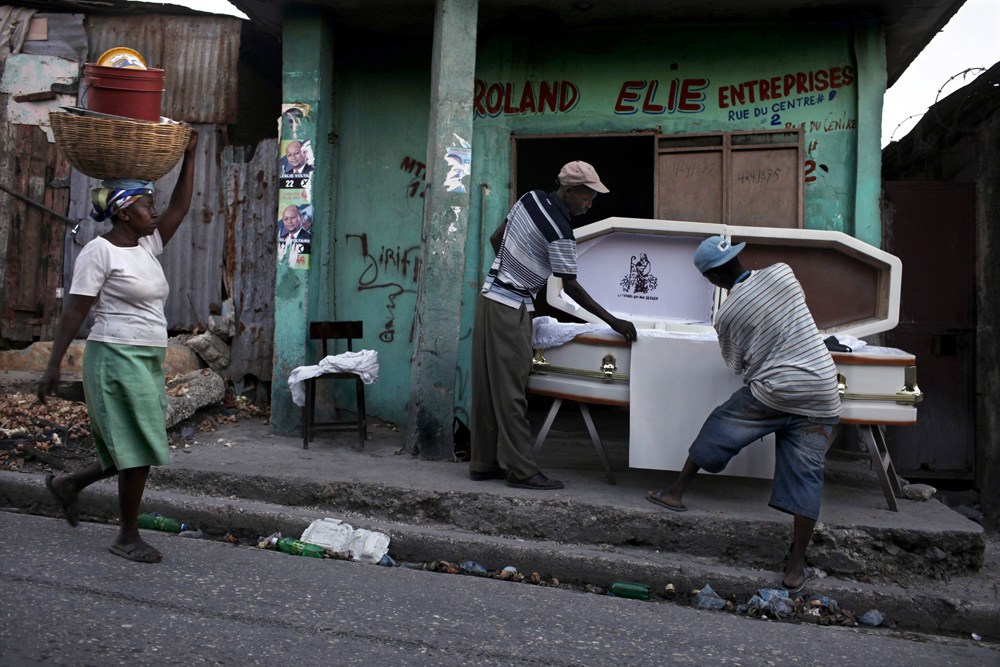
[715, 251]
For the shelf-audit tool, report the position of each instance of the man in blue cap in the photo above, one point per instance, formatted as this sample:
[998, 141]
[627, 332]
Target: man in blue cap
[768, 335]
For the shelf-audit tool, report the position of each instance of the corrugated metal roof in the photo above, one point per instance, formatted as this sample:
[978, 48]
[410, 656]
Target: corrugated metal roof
[193, 259]
[198, 54]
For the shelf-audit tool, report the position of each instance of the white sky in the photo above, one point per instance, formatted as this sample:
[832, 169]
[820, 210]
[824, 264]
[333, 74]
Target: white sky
[971, 39]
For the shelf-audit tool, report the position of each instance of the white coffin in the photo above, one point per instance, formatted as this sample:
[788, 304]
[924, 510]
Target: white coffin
[678, 376]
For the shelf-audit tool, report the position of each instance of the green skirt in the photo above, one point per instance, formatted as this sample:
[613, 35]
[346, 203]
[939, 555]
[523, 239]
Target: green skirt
[127, 403]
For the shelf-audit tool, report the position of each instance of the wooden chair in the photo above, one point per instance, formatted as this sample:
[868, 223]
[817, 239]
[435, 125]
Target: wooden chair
[327, 331]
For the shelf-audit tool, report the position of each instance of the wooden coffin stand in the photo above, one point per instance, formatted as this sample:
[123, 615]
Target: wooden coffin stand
[642, 270]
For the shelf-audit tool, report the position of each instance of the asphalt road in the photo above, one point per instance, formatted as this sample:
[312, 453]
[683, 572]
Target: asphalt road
[65, 600]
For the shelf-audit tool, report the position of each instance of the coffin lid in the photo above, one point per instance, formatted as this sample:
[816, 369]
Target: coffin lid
[642, 270]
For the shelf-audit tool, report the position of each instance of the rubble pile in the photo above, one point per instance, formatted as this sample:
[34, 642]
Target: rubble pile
[48, 434]
[56, 435]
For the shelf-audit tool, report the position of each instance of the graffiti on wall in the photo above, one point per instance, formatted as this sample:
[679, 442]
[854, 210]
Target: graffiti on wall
[403, 264]
[418, 184]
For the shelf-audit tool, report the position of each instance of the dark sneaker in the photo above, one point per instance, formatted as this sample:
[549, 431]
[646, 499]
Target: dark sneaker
[536, 481]
[477, 476]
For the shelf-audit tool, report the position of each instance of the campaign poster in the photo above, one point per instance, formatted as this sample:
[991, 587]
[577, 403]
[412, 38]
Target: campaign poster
[296, 166]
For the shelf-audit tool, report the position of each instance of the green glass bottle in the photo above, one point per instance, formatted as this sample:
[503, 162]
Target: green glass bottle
[299, 548]
[153, 522]
[630, 589]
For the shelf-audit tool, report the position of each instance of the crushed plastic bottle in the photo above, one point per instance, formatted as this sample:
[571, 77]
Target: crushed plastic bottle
[872, 618]
[387, 561]
[268, 542]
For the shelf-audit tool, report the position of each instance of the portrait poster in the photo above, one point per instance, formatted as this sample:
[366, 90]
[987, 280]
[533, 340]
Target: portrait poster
[296, 166]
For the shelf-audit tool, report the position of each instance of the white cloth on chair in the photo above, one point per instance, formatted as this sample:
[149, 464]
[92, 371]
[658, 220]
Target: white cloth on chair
[362, 362]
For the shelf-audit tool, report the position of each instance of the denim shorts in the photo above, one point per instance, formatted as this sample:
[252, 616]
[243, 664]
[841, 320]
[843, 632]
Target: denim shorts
[800, 448]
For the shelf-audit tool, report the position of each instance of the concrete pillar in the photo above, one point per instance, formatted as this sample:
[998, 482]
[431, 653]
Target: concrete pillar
[303, 294]
[869, 53]
[445, 226]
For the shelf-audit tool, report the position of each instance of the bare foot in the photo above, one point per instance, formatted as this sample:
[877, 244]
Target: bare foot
[66, 495]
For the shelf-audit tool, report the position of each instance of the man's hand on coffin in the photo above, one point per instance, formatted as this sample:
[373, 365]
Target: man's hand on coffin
[625, 328]
[582, 297]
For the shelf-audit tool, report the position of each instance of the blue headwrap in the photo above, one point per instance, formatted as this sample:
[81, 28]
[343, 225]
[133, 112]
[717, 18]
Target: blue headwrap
[117, 194]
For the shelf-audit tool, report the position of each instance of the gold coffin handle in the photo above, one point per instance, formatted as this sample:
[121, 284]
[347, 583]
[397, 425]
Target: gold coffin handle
[910, 394]
[606, 373]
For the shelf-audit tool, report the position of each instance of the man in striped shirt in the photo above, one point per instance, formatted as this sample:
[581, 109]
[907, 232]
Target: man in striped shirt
[535, 241]
[767, 334]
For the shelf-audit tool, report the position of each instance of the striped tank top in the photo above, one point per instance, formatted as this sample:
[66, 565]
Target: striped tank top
[767, 333]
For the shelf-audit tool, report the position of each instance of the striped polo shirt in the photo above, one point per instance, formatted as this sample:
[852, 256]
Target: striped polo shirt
[767, 333]
[537, 243]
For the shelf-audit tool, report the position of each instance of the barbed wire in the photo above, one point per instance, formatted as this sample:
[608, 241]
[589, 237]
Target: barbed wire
[964, 73]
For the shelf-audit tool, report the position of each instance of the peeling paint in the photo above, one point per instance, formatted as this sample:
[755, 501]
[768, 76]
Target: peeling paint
[24, 74]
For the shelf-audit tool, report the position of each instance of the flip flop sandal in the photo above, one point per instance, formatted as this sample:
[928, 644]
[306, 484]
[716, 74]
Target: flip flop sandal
[69, 509]
[808, 574]
[656, 497]
[137, 551]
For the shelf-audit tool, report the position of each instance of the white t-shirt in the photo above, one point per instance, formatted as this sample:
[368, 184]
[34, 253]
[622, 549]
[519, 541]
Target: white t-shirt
[130, 288]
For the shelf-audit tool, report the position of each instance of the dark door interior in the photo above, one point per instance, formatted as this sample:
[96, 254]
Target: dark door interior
[931, 228]
[625, 165]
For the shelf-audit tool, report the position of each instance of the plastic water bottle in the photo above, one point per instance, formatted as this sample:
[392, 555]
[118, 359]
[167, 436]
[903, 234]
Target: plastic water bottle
[156, 522]
[630, 589]
[299, 548]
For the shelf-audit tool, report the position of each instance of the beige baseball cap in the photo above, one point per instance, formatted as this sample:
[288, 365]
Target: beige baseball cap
[581, 173]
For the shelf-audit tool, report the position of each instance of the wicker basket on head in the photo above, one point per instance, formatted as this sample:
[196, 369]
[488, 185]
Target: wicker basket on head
[119, 147]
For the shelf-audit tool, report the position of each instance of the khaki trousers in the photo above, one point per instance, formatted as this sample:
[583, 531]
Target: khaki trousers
[501, 362]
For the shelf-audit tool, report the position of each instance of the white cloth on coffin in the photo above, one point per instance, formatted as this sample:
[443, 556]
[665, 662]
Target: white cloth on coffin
[362, 362]
[549, 332]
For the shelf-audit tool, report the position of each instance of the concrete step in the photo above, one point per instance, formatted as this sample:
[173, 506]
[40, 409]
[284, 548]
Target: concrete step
[932, 542]
[927, 609]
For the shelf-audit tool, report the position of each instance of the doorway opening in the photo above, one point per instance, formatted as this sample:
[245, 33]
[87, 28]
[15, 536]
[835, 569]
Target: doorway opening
[625, 163]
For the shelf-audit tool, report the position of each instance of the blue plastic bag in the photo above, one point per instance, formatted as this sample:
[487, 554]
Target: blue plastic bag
[709, 599]
[873, 618]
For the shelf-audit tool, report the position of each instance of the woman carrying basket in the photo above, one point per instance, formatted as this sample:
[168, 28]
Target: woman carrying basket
[118, 274]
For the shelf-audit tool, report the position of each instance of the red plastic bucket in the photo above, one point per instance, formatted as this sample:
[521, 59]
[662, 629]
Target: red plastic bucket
[133, 93]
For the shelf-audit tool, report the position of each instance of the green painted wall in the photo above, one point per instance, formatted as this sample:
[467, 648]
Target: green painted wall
[383, 90]
[300, 295]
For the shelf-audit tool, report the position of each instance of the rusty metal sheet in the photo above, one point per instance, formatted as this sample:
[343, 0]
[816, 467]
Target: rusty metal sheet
[251, 196]
[199, 56]
[33, 259]
[192, 261]
[66, 38]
